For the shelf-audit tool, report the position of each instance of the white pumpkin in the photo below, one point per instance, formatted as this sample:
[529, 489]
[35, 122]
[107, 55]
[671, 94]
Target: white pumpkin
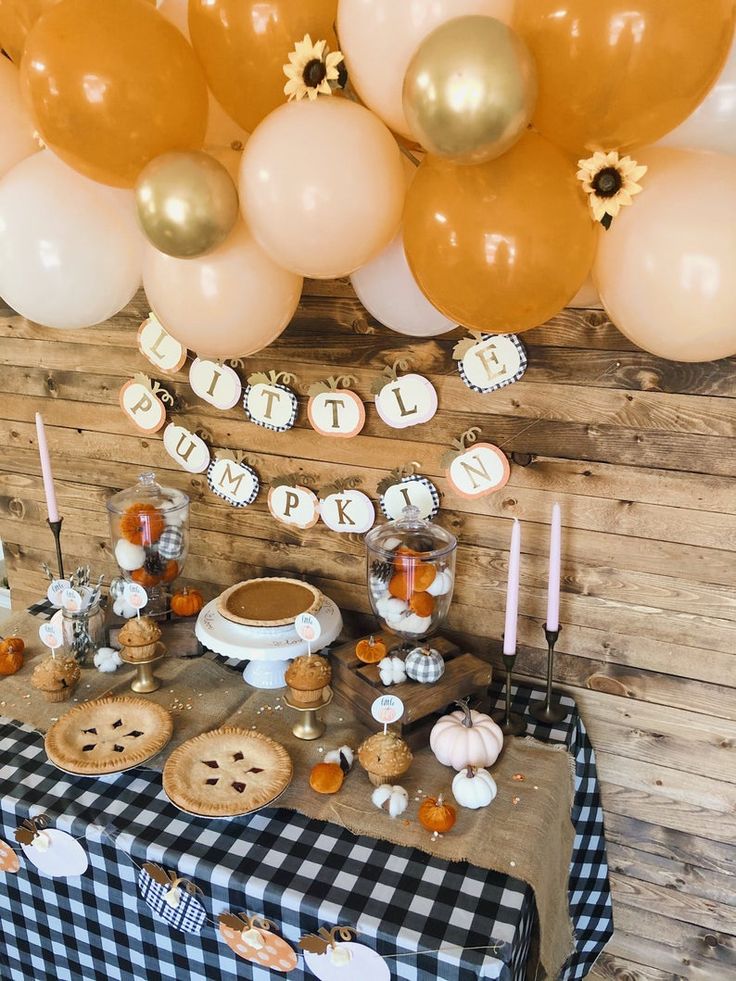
[393, 800]
[474, 788]
[466, 738]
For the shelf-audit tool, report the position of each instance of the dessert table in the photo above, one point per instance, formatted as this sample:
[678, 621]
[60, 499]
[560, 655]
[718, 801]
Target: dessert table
[299, 873]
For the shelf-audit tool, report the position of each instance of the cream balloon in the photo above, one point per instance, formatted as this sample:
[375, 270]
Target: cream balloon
[665, 268]
[18, 140]
[70, 249]
[586, 297]
[379, 38]
[713, 124]
[222, 131]
[389, 292]
[227, 304]
[322, 186]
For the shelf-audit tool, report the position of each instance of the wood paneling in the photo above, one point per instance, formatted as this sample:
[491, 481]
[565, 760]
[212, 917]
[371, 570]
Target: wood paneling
[638, 451]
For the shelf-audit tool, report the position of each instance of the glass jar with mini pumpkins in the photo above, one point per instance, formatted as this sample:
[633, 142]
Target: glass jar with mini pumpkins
[411, 575]
[149, 525]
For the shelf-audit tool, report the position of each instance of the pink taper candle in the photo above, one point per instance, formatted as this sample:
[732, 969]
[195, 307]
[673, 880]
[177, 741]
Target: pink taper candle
[512, 591]
[553, 583]
[48, 477]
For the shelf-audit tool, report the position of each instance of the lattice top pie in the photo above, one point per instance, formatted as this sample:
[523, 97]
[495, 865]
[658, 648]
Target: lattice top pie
[108, 735]
[227, 772]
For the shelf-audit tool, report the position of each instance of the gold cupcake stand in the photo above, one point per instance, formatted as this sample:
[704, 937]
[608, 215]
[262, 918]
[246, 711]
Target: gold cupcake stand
[144, 680]
[309, 726]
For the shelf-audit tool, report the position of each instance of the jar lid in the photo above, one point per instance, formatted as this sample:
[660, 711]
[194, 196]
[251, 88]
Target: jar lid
[430, 541]
[147, 491]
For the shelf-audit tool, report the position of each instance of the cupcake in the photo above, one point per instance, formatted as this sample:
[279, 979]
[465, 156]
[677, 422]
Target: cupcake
[385, 757]
[56, 678]
[139, 637]
[307, 677]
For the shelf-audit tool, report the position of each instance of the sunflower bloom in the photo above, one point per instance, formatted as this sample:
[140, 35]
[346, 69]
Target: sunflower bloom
[313, 71]
[610, 182]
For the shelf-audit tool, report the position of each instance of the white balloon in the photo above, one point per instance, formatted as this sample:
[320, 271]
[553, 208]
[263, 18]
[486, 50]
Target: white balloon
[70, 249]
[387, 289]
[713, 124]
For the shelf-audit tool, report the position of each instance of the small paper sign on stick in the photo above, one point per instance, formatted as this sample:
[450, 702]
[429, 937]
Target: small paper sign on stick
[135, 595]
[308, 628]
[71, 601]
[50, 635]
[56, 590]
[387, 709]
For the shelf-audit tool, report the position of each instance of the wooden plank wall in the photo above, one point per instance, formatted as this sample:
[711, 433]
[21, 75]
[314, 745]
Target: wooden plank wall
[640, 453]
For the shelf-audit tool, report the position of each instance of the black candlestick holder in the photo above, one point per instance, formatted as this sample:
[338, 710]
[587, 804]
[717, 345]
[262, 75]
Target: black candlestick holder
[511, 723]
[55, 527]
[545, 711]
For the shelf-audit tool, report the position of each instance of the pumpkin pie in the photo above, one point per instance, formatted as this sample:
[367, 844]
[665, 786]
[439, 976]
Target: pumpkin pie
[226, 772]
[268, 602]
[307, 677]
[108, 735]
[385, 757]
[56, 678]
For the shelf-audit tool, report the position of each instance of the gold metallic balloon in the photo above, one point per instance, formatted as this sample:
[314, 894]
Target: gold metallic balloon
[470, 90]
[187, 203]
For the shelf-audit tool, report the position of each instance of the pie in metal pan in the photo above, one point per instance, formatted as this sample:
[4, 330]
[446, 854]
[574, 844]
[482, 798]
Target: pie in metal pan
[268, 602]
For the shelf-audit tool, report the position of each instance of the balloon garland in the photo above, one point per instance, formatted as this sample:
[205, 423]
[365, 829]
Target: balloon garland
[494, 232]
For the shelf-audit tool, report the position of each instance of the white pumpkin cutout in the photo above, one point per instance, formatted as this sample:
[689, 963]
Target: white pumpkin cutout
[269, 403]
[410, 490]
[475, 469]
[346, 510]
[142, 400]
[466, 738]
[488, 362]
[215, 383]
[404, 400]
[330, 960]
[157, 345]
[186, 449]
[293, 504]
[54, 853]
[474, 788]
[335, 411]
[233, 480]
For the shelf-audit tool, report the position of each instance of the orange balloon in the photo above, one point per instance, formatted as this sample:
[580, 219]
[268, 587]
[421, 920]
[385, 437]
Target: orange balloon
[17, 17]
[113, 85]
[244, 44]
[501, 246]
[615, 74]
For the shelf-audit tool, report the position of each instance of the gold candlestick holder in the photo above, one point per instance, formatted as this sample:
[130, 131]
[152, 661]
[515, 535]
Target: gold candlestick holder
[309, 726]
[144, 680]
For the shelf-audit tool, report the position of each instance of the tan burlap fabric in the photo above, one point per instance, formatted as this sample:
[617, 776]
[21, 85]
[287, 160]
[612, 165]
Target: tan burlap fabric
[525, 833]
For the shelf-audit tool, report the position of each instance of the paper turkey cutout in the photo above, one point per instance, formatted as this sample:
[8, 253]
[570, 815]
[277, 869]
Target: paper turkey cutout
[53, 852]
[333, 959]
[9, 861]
[172, 898]
[250, 937]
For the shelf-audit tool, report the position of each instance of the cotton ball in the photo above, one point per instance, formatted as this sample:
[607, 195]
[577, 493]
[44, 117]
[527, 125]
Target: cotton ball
[381, 606]
[343, 757]
[129, 556]
[107, 660]
[395, 607]
[175, 517]
[414, 624]
[392, 670]
[393, 800]
[122, 609]
[442, 584]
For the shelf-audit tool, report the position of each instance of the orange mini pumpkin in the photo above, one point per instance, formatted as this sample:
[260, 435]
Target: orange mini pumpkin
[424, 575]
[171, 571]
[11, 655]
[370, 651]
[145, 578]
[399, 586]
[435, 815]
[141, 524]
[326, 778]
[187, 602]
[422, 604]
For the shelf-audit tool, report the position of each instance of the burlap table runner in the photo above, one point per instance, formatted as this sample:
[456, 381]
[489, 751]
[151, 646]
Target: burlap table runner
[526, 832]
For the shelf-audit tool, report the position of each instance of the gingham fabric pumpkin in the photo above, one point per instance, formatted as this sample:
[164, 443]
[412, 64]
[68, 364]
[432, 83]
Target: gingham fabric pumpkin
[171, 543]
[424, 664]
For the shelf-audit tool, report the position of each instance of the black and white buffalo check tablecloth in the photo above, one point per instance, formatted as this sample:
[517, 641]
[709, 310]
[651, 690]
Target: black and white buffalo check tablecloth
[300, 874]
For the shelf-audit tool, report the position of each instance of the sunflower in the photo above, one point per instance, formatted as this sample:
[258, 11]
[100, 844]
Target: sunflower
[610, 182]
[312, 69]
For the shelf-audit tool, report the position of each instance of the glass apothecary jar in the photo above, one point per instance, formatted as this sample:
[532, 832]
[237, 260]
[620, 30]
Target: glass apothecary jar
[411, 575]
[149, 527]
[83, 632]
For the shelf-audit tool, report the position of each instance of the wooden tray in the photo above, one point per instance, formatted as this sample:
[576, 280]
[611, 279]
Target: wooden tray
[360, 684]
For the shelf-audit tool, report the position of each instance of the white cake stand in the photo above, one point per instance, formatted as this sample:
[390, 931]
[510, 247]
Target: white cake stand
[267, 650]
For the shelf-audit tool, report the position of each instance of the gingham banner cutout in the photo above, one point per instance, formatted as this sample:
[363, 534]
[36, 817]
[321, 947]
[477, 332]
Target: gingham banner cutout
[517, 376]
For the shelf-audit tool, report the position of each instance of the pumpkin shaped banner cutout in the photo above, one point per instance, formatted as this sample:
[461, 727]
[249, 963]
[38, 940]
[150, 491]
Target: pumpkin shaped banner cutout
[292, 503]
[172, 898]
[157, 345]
[404, 400]
[345, 509]
[475, 469]
[487, 362]
[404, 488]
[215, 383]
[269, 402]
[232, 479]
[186, 449]
[329, 960]
[142, 400]
[334, 410]
[251, 938]
[54, 853]
[9, 861]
